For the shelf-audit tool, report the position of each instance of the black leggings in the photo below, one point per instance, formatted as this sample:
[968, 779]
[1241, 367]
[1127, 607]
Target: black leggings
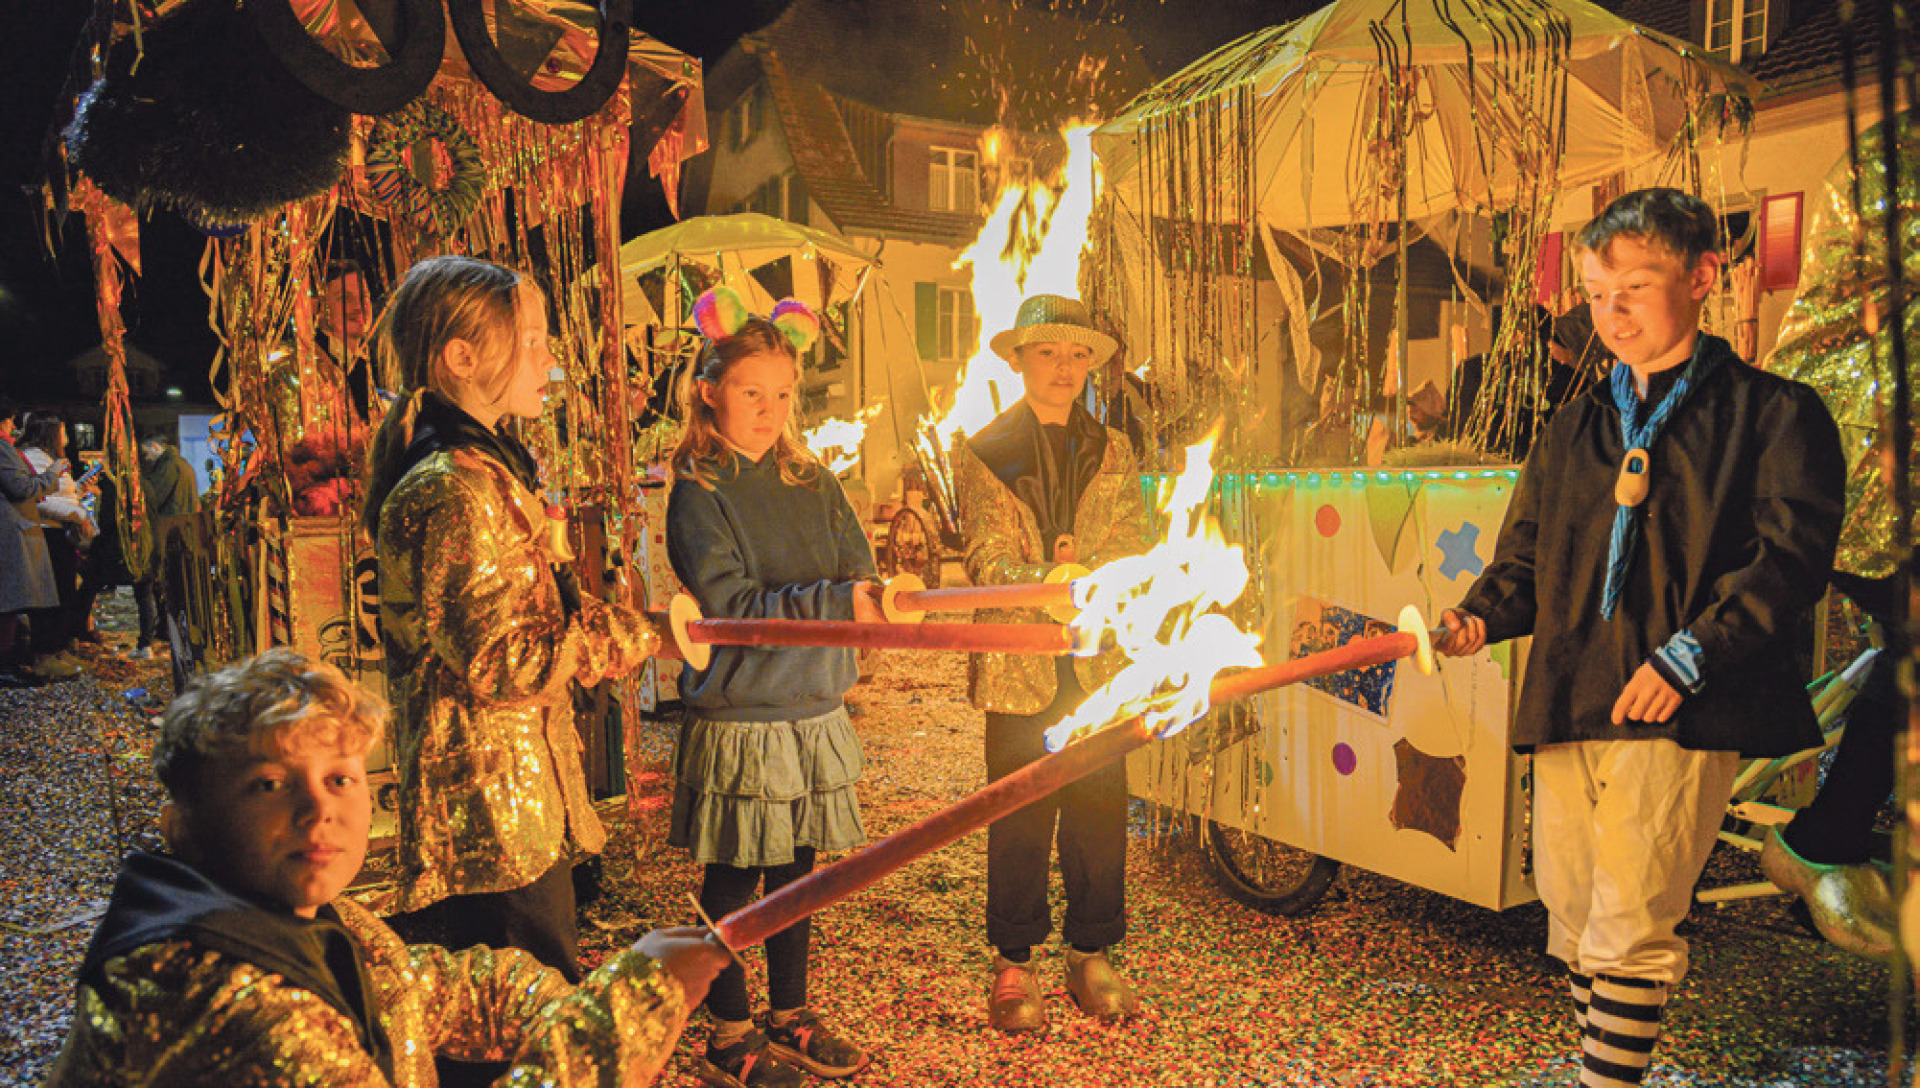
[726, 889]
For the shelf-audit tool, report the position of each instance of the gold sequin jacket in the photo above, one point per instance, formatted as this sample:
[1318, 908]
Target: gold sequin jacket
[170, 1013]
[481, 654]
[1003, 547]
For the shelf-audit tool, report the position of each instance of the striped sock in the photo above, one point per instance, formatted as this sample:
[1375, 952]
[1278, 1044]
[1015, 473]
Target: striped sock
[1623, 1023]
[1581, 987]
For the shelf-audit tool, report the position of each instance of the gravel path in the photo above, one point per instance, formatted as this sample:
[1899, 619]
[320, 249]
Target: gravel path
[1382, 984]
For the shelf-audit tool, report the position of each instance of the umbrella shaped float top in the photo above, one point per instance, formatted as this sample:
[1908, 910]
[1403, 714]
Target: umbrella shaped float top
[1483, 93]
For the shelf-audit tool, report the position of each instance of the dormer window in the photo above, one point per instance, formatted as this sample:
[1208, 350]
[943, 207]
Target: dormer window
[743, 119]
[1736, 29]
[953, 181]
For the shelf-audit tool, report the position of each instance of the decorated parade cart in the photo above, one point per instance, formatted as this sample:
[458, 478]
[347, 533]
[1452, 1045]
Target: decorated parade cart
[323, 154]
[1253, 250]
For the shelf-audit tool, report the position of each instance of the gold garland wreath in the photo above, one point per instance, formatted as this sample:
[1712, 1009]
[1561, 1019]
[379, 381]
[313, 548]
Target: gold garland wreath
[396, 183]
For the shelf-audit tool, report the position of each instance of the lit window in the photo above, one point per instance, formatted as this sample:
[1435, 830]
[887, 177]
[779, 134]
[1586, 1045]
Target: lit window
[953, 183]
[958, 337]
[1736, 29]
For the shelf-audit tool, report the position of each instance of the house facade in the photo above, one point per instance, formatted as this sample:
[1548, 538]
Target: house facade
[896, 126]
[1794, 48]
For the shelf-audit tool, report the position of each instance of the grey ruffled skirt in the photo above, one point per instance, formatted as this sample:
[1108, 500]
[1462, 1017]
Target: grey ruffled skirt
[747, 793]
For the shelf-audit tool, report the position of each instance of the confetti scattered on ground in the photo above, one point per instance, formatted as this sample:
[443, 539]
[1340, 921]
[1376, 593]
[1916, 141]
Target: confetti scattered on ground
[1381, 984]
[58, 843]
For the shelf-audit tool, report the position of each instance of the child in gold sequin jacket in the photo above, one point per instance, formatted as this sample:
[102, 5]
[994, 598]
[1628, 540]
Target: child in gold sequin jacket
[483, 636]
[233, 960]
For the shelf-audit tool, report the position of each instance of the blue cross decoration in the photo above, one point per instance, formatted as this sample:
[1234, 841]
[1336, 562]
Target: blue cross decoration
[1459, 547]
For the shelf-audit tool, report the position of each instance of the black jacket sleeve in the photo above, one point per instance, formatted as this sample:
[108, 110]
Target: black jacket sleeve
[1799, 499]
[1503, 595]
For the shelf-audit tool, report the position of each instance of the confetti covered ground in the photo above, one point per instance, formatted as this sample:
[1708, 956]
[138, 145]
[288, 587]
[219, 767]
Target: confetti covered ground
[1381, 984]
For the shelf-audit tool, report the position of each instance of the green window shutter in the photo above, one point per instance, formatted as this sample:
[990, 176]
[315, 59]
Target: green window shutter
[926, 319]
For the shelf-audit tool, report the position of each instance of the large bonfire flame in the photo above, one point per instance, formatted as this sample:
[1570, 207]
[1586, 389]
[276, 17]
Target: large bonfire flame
[1031, 242]
[1161, 609]
[837, 441]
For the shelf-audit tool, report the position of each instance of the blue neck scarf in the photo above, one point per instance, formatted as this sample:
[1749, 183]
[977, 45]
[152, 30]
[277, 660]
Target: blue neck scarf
[1641, 434]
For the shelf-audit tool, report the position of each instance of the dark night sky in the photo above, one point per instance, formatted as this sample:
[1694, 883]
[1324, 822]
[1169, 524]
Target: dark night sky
[46, 295]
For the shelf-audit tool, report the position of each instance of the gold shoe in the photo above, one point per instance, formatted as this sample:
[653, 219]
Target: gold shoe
[52, 668]
[1098, 990]
[1851, 905]
[1014, 1003]
[1789, 871]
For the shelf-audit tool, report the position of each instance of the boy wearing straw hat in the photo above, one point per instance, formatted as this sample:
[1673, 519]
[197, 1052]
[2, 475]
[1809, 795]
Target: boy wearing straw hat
[1669, 536]
[1045, 484]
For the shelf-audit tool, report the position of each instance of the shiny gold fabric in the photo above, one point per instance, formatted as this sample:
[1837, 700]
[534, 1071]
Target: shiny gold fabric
[1004, 548]
[1825, 341]
[480, 658]
[171, 1014]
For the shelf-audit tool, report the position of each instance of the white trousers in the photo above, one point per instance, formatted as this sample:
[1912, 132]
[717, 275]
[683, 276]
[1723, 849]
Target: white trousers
[1621, 831]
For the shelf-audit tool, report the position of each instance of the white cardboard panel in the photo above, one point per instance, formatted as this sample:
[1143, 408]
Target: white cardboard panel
[1415, 782]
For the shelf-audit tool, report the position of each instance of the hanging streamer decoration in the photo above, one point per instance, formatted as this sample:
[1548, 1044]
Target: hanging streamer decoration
[120, 444]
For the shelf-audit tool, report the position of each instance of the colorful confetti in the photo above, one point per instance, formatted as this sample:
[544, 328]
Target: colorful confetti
[1382, 984]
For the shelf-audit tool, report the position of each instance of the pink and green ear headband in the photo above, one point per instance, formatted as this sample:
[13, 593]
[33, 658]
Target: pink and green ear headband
[720, 313]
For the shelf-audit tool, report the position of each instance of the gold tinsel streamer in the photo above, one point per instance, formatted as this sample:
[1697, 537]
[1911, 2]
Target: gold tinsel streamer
[103, 217]
[1835, 334]
[549, 206]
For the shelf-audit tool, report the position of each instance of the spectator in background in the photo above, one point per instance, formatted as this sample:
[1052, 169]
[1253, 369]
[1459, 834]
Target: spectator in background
[171, 491]
[106, 563]
[1574, 358]
[65, 526]
[26, 575]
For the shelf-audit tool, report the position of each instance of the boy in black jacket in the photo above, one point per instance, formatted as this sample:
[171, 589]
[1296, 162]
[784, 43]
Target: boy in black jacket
[1667, 541]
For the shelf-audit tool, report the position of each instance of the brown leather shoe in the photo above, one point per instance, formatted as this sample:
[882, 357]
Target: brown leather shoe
[1014, 1003]
[1096, 988]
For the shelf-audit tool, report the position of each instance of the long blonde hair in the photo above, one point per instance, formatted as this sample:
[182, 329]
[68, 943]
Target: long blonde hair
[701, 450]
[442, 299]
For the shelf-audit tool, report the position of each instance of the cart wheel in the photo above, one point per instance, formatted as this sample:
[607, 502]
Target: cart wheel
[1267, 875]
[911, 549]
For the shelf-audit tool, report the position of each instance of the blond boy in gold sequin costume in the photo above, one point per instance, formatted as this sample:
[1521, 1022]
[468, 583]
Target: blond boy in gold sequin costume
[483, 634]
[233, 959]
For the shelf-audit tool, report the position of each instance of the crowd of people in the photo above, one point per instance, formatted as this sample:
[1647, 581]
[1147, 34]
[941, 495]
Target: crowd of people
[61, 544]
[1670, 533]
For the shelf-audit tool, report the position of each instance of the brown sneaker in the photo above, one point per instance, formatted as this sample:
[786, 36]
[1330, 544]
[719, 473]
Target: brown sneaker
[747, 1062]
[1014, 1002]
[806, 1042]
[1096, 988]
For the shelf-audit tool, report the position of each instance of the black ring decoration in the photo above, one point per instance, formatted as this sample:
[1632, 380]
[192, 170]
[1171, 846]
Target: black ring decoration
[547, 107]
[363, 90]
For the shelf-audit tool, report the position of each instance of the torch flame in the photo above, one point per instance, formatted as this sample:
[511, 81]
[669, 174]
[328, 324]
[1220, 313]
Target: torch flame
[1160, 608]
[1034, 236]
[837, 441]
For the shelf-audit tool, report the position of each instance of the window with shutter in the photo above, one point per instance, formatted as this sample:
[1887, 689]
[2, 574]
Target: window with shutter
[926, 320]
[1780, 242]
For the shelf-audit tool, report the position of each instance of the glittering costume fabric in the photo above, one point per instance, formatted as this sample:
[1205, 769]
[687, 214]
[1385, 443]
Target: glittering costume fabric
[1003, 547]
[1824, 340]
[482, 649]
[171, 1013]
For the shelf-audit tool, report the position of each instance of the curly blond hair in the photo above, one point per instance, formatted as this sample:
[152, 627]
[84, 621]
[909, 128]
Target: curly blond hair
[279, 696]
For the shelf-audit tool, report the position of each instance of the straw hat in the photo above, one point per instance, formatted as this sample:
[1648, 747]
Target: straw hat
[1053, 319]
